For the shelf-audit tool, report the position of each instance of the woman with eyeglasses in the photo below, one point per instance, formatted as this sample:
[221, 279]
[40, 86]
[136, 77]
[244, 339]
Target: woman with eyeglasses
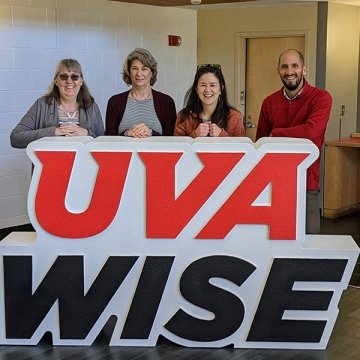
[141, 111]
[207, 111]
[68, 109]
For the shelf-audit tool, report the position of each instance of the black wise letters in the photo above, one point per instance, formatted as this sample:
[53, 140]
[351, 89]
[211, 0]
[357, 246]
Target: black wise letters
[148, 294]
[227, 308]
[64, 282]
[278, 296]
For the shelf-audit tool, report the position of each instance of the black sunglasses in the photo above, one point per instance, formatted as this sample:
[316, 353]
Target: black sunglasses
[214, 66]
[73, 77]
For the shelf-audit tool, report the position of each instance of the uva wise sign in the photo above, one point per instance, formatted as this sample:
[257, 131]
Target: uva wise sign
[200, 241]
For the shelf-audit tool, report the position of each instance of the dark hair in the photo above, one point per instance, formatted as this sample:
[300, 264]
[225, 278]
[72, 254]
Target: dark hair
[301, 56]
[193, 105]
[84, 98]
[146, 58]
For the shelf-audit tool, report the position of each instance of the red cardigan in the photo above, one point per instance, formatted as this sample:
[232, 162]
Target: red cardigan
[164, 107]
[187, 127]
[305, 116]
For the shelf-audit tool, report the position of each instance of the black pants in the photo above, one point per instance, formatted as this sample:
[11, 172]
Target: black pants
[312, 212]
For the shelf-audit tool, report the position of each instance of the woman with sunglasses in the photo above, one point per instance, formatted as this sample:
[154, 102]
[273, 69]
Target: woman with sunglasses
[68, 109]
[207, 111]
[141, 111]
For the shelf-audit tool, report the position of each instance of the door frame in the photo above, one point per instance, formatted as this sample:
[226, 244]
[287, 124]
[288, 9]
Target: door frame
[240, 59]
[240, 76]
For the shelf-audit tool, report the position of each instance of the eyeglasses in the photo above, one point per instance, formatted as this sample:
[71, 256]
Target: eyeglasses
[65, 77]
[203, 66]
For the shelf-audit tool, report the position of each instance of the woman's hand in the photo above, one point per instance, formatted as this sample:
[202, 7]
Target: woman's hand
[203, 129]
[71, 130]
[139, 131]
[214, 130]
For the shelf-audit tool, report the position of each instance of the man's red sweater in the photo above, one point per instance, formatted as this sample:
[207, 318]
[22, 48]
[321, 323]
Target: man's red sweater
[304, 116]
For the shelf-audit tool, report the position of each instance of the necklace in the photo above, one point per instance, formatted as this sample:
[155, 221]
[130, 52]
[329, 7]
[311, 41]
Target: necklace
[204, 118]
[147, 97]
[70, 114]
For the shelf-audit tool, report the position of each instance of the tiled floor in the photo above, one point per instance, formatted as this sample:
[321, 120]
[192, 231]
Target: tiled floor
[346, 225]
[7, 231]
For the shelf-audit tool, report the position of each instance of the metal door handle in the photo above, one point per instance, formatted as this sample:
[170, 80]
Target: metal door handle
[249, 124]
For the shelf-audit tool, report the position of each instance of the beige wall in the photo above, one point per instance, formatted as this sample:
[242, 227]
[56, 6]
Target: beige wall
[216, 44]
[217, 30]
[342, 66]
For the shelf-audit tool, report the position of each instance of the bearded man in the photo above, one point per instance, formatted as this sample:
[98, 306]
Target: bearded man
[298, 110]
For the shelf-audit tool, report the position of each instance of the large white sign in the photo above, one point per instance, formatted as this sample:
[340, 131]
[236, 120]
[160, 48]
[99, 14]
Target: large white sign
[201, 241]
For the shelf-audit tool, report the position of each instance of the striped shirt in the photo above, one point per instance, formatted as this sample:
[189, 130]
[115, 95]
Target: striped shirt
[137, 112]
[67, 118]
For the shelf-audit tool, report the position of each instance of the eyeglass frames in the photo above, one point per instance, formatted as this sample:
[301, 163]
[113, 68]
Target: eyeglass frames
[203, 66]
[73, 77]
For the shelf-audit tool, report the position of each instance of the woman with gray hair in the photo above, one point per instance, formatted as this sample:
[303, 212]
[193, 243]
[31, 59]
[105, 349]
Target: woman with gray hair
[68, 109]
[141, 111]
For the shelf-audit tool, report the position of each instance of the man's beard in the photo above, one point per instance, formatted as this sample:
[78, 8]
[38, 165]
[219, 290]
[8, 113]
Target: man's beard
[291, 86]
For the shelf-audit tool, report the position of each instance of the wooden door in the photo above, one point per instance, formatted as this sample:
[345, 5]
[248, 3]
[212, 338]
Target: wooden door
[262, 79]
